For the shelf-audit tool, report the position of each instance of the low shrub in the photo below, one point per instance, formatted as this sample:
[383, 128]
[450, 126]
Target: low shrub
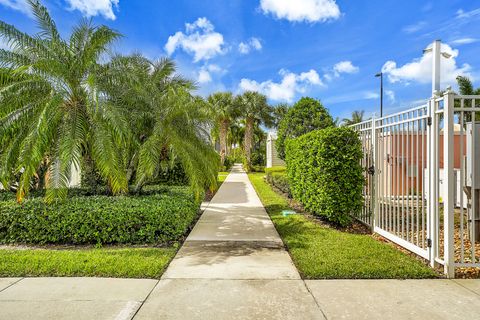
[259, 158]
[275, 169]
[228, 163]
[279, 180]
[158, 215]
[257, 168]
[324, 172]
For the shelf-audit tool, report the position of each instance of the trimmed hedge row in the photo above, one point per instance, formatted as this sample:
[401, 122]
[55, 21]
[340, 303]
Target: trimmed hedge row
[279, 180]
[157, 216]
[324, 172]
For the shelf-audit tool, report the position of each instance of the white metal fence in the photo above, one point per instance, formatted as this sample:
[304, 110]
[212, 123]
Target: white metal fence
[422, 179]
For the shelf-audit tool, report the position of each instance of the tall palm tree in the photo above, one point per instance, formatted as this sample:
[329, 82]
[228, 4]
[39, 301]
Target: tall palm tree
[224, 110]
[279, 112]
[357, 117]
[466, 88]
[52, 109]
[172, 124]
[255, 110]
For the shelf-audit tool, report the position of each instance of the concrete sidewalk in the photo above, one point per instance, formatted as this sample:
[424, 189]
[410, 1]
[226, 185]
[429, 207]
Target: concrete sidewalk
[234, 266]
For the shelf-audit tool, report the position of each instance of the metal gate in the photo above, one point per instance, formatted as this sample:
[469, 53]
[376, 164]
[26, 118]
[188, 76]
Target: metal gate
[422, 179]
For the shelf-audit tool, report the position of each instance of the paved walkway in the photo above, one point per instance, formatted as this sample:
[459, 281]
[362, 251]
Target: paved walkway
[234, 266]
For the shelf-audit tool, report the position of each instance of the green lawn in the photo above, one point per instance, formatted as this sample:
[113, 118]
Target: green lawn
[222, 175]
[102, 262]
[320, 252]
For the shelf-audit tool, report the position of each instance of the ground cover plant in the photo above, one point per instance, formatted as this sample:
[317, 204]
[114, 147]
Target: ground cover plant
[321, 251]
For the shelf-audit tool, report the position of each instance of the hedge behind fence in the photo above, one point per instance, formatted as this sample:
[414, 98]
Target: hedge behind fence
[324, 172]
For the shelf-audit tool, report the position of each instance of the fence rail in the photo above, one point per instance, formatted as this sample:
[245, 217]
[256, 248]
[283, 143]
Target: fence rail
[422, 179]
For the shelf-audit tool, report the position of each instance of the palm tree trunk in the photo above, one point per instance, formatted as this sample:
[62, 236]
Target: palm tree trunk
[223, 139]
[248, 141]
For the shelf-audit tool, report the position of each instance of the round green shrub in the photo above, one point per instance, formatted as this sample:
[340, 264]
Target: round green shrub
[325, 174]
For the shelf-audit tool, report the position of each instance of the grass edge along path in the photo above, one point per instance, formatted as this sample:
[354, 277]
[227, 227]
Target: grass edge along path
[117, 262]
[92, 262]
[321, 252]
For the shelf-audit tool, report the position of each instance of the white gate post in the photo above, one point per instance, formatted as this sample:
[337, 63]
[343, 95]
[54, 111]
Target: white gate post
[432, 169]
[448, 183]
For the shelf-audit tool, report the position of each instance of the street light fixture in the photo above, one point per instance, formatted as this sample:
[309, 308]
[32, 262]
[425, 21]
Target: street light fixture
[380, 75]
[437, 54]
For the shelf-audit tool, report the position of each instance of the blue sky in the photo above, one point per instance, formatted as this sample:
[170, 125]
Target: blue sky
[286, 49]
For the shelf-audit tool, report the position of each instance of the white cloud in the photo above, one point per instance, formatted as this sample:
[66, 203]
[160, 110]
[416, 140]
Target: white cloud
[90, 8]
[461, 14]
[286, 89]
[463, 41]
[301, 10]
[390, 95]
[420, 69]
[200, 40]
[204, 76]
[20, 5]
[370, 95]
[345, 67]
[415, 27]
[252, 44]
[205, 73]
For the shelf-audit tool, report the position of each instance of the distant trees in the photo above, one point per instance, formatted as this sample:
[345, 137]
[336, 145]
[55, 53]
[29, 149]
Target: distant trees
[279, 112]
[255, 110]
[466, 87]
[357, 117]
[224, 111]
[306, 115]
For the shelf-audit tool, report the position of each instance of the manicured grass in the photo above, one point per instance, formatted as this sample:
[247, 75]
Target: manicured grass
[102, 262]
[321, 252]
[221, 177]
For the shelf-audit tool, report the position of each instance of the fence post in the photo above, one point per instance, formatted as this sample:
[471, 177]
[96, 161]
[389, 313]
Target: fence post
[448, 183]
[373, 192]
[432, 169]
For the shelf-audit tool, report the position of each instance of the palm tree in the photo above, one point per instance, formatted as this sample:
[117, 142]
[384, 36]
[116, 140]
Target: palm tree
[279, 112]
[53, 112]
[466, 89]
[357, 117]
[255, 110]
[224, 110]
[172, 123]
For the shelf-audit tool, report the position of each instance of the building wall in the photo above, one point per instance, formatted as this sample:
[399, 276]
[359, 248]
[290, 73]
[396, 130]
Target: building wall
[404, 168]
[272, 155]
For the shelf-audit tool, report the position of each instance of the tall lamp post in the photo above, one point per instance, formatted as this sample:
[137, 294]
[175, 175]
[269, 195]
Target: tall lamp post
[380, 75]
[436, 49]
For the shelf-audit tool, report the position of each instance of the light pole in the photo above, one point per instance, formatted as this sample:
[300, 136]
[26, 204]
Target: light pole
[381, 92]
[437, 53]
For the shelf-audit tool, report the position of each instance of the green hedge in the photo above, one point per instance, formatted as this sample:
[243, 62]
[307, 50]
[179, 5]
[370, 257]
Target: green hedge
[325, 175]
[158, 215]
[279, 180]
